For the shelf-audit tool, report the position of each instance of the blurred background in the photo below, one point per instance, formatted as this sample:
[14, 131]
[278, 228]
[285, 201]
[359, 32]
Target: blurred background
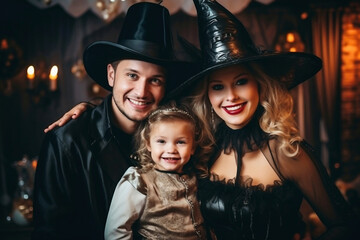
[42, 76]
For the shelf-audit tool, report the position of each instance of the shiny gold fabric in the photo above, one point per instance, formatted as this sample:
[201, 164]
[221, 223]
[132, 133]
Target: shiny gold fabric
[171, 208]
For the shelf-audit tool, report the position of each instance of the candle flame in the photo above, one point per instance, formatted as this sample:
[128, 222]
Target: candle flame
[53, 73]
[30, 72]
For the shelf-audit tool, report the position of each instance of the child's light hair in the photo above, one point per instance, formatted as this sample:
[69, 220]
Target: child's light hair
[171, 112]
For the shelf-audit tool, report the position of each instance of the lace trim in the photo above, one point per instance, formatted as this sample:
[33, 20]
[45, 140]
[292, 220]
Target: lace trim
[244, 182]
[241, 141]
[250, 211]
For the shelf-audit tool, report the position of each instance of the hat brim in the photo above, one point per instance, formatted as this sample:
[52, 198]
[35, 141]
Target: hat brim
[290, 68]
[99, 54]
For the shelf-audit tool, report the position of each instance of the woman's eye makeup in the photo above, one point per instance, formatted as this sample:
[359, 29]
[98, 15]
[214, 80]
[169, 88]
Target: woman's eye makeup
[238, 80]
[241, 81]
[217, 87]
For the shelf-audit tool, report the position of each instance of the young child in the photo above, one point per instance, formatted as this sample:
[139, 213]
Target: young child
[158, 199]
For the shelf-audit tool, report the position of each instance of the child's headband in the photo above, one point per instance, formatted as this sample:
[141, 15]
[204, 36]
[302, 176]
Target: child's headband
[173, 109]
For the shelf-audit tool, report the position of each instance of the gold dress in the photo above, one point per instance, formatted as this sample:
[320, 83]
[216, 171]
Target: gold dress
[155, 205]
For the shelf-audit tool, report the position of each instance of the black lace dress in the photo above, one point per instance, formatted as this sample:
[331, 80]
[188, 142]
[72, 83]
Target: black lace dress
[237, 209]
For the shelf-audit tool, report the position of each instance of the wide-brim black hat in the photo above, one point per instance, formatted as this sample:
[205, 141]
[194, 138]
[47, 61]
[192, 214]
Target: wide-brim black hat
[145, 35]
[224, 42]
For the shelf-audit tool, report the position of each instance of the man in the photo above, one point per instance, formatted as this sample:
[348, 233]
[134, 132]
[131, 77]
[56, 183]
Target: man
[80, 164]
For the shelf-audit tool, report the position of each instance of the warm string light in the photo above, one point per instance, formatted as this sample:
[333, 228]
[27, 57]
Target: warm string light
[290, 42]
[108, 8]
[290, 37]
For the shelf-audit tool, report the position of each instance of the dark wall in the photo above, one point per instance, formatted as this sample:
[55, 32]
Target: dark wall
[25, 25]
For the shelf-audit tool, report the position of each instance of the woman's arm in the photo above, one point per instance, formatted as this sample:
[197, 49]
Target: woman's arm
[72, 114]
[321, 193]
[75, 112]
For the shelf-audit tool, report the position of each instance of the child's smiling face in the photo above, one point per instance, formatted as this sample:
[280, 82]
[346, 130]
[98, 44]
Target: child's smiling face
[171, 144]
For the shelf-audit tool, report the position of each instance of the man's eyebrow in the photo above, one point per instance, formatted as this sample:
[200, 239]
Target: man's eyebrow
[136, 71]
[131, 70]
[159, 75]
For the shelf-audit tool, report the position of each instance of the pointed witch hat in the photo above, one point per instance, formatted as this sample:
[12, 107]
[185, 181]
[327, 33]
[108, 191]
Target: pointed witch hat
[145, 35]
[224, 42]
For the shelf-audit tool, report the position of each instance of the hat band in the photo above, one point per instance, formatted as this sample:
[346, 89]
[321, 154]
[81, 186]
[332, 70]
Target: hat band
[148, 49]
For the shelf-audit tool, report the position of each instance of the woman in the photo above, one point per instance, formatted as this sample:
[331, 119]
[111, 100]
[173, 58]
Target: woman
[261, 169]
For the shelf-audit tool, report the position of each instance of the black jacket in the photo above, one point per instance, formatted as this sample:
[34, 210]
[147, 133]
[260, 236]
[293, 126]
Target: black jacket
[78, 168]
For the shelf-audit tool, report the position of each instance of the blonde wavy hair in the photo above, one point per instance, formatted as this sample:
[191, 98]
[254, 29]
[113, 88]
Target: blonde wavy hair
[277, 119]
[169, 112]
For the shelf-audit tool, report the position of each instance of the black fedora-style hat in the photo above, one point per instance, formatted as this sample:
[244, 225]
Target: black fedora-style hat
[145, 35]
[224, 41]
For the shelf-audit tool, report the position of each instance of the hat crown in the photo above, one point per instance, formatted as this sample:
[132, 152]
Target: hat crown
[222, 36]
[147, 27]
[146, 36]
[224, 42]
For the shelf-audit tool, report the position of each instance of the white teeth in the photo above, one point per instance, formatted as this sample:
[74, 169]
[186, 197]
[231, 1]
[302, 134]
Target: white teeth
[235, 107]
[137, 102]
[170, 158]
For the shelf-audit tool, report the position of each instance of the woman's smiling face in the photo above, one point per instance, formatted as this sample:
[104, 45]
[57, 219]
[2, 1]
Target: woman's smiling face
[233, 93]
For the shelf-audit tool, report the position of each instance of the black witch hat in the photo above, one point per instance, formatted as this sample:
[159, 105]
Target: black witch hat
[224, 42]
[145, 35]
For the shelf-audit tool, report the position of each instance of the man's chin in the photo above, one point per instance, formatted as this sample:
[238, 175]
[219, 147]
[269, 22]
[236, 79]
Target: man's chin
[136, 117]
[133, 114]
